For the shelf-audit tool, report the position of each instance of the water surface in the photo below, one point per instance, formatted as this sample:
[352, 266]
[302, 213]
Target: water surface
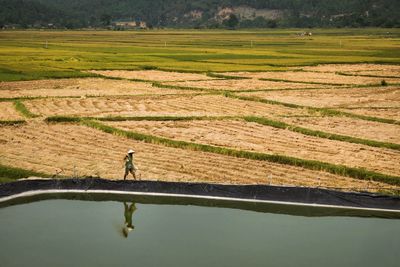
[65, 232]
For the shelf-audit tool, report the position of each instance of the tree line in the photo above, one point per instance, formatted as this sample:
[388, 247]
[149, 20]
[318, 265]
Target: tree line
[174, 13]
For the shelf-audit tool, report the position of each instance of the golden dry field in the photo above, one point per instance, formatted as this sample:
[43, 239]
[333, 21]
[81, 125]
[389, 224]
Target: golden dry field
[70, 145]
[319, 125]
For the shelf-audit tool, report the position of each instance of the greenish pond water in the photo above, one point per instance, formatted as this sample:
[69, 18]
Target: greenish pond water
[71, 232]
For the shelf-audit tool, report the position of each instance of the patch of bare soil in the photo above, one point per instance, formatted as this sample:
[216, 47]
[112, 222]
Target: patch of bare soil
[237, 85]
[79, 87]
[152, 75]
[255, 137]
[8, 112]
[69, 149]
[200, 105]
[314, 77]
[347, 126]
[351, 68]
[351, 97]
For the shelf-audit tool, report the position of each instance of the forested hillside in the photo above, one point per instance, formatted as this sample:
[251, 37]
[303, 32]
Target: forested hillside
[201, 13]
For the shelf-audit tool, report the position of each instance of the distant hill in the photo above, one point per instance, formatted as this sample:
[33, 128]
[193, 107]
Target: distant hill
[201, 13]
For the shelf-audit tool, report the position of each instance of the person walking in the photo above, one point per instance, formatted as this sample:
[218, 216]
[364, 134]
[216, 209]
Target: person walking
[129, 166]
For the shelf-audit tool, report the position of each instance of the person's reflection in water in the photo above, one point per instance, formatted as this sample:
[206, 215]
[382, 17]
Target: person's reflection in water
[128, 213]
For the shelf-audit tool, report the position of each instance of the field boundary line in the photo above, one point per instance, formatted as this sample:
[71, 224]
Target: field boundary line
[357, 173]
[343, 73]
[23, 110]
[55, 119]
[12, 122]
[226, 77]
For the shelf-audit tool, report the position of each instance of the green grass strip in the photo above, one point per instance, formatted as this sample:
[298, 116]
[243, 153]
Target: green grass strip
[366, 75]
[8, 174]
[63, 119]
[21, 98]
[8, 123]
[167, 86]
[322, 111]
[357, 173]
[226, 77]
[320, 134]
[22, 109]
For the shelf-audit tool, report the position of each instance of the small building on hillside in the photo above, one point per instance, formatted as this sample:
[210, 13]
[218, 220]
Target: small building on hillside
[128, 25]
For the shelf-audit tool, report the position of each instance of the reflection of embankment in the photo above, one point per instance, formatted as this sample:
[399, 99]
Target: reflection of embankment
[296, 201]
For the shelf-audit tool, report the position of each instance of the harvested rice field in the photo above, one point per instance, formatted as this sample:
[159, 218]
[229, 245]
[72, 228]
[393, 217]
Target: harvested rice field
[251, 136]
[241, 85]
[64, 149]
[79, 88]
[153, 75]
[378, 73]
[8, 112]
[370, 130]
[198, 105]
[222, 119]
[357, 68]
[336, 98]
[392, 113]
[314, 77]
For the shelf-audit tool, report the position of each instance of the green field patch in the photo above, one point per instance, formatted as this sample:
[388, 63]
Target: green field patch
[24, 55]
[9, 174]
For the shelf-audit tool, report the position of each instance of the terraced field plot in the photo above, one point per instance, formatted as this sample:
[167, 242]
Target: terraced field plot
[200, 105]
[66, 149]
[386, 69]
[384, 112]
[336, 97]
[238, 85]
[153, 75]
[395, 73]
[265, 139]
[351, 127]
[79, 87]
[315, 77]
